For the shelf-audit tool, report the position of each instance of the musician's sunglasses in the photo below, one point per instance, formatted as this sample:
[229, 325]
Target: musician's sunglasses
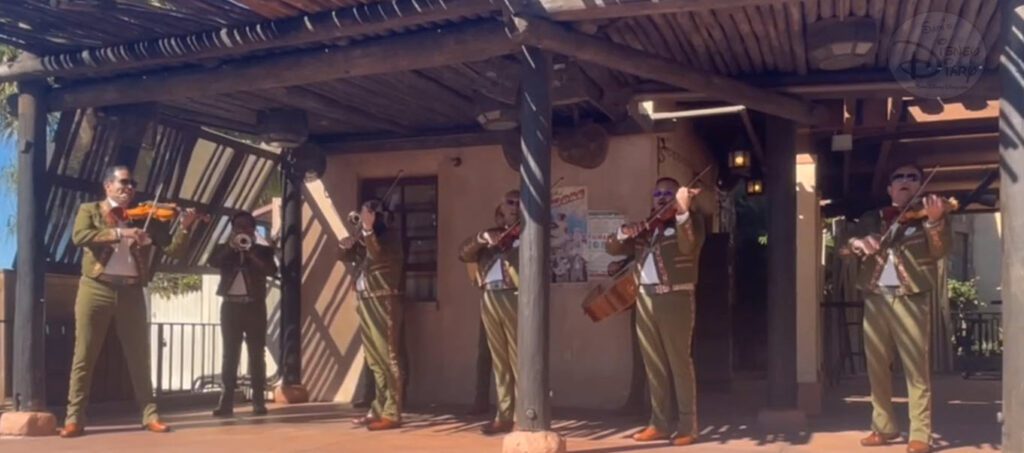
[129, 183]
[663, 193]
[511, 202]
[908, 177]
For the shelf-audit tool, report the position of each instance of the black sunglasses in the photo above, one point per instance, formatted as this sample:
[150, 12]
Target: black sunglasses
[511, 202]
[909, 177]
[128, 183]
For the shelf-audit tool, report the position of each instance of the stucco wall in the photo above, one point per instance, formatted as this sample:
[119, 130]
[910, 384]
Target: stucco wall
[590, 363]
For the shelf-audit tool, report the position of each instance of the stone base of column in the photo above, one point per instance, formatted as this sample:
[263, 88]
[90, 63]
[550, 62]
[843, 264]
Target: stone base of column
[782, 420]
[291, 394]
[533, 442]
[27, 424]
[809, 396]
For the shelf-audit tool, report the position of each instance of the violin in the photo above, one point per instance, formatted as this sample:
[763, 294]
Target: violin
[509, 237]
[163, 212]
[917, 211]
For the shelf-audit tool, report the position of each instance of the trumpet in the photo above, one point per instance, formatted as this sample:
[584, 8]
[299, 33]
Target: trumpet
[354, 218]
[242, 242]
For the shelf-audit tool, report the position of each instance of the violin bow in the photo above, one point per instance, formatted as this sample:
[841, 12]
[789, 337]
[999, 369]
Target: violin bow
[394, 184]
[688, 186]
[156, 201]
[509, 229]
[888, 236]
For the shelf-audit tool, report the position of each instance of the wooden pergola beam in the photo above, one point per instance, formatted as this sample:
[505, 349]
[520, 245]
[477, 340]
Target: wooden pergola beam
[573, 10]
[361, 20]
[472, 41]
[556, 38]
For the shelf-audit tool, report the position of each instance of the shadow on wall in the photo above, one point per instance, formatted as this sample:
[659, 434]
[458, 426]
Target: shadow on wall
[328, 362]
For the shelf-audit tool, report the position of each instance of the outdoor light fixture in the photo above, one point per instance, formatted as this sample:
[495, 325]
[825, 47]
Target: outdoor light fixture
[494, 115]
[283, 128]
[739, 158]
[755, 187]
[498, 119]
[307, 162]
[837, 44]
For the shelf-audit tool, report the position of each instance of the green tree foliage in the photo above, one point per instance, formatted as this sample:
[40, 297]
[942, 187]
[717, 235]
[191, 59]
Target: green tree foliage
[170, 285]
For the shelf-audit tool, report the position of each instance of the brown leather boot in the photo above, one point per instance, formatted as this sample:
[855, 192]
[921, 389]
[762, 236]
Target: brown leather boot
[878, 439]
[496, 427]
[650, 434]
[156, 427]
[384, 424]
[916, 446]
[72, 430]
[682, 441]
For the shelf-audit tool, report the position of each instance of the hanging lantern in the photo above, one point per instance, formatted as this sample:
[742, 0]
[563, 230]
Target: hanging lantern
[739, 158]
[755, 187]
[284, 128]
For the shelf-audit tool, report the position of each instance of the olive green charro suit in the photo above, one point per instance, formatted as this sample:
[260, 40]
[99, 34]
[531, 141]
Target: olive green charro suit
[665, 316]
[499, 311]
[898, 318]
[380, 261]
[100, 301]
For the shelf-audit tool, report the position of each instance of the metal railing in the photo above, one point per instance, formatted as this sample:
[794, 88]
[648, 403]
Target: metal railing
[186, 357]
[979, 340]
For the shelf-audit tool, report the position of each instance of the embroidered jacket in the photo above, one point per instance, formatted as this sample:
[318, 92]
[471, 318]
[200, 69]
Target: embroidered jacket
[676, 252]
[480, 257]
[915, 253]
[381, 261]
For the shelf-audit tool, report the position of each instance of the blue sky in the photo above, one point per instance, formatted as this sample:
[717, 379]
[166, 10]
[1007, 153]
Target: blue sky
[8, 204]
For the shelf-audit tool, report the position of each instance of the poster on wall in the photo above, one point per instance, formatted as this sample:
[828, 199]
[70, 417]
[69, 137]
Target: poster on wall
[569, 234]
[600, 225]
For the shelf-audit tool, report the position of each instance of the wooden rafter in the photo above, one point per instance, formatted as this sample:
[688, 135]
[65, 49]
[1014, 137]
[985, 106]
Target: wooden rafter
[571, 10]
[472, 41]
[362, 20]
[550, 36]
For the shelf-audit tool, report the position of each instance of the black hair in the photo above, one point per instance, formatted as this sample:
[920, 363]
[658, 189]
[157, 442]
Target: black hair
[380, 224]
[900, 164]
[667, 179]
[243, 215]
[110, 173]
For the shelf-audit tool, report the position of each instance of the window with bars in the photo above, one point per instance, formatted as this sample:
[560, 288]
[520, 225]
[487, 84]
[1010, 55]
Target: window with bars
[414, 202]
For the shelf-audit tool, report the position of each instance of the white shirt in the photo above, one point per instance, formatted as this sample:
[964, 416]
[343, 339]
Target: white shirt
[121, 263]
[238, 286]
[361, 281]
[889, 276]
[494, 273]
[649, 271]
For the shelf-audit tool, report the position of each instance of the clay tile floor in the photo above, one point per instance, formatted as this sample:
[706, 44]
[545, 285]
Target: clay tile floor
[965, 420]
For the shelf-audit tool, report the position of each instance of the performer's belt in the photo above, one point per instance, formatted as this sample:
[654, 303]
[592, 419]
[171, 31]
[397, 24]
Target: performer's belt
[118, 280]
[378, 293]
[496, 286]
[663, 289]
[238, 299]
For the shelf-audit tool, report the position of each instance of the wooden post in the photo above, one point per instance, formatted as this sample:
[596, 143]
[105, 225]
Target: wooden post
[29, 388]
[533, 412]
[29, 309]
[291, 389]
[534, 250]
[1011, 187]
[780, 179]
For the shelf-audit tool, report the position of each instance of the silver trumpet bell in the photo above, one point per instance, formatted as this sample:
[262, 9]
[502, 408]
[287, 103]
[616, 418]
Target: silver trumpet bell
[354, 218]
[242, 242]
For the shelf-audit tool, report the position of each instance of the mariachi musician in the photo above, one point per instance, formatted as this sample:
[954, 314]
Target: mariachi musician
[379, 260]
[666, 249]
[495, 252]
[244, 266]
[116, 246]
[900, 246]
